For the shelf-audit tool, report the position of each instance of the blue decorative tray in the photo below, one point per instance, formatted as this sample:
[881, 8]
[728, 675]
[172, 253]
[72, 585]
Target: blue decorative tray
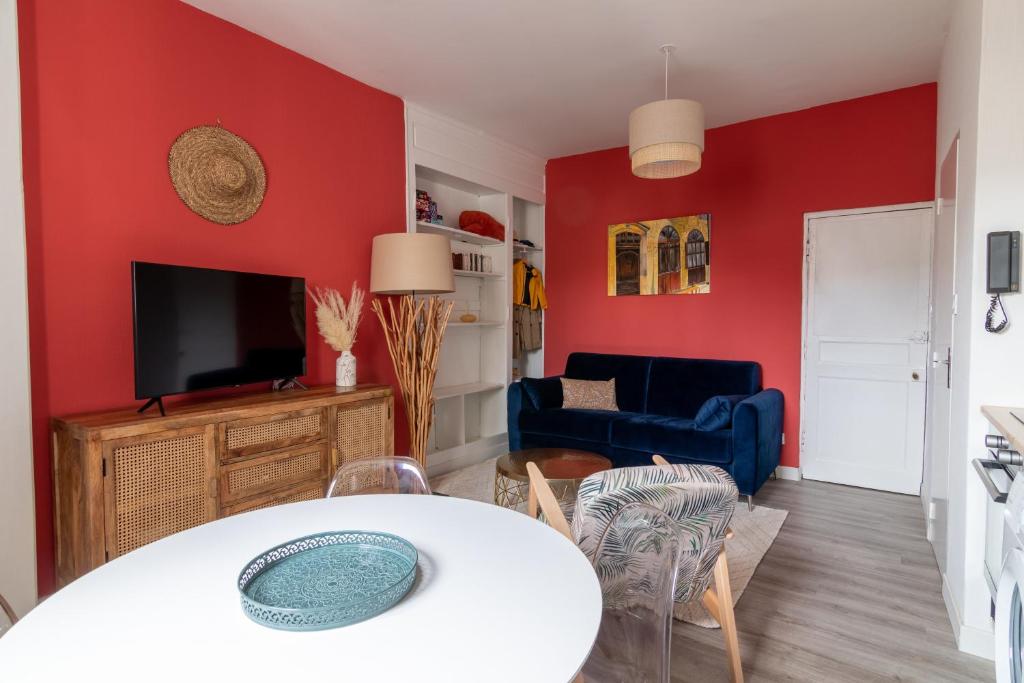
[327, 580]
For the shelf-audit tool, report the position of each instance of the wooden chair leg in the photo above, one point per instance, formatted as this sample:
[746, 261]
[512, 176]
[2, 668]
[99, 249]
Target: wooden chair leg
[727, 617]
[718, 600]
[531, 502]
[710, 601]
[541, 492]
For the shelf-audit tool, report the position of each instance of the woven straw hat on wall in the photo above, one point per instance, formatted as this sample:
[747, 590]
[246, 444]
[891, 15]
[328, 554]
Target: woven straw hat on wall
[217, 174]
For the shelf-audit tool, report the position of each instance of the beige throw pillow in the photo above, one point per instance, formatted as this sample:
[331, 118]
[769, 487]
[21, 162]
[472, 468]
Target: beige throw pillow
[589, 395]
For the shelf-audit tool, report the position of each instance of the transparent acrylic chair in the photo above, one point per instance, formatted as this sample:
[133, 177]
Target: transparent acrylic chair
[637, 562]
[379, 475]
[7, 616]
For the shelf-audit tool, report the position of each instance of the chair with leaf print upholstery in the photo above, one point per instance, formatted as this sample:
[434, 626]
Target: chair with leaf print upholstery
[700, 499]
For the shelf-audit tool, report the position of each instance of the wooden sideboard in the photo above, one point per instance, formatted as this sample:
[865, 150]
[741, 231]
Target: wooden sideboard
[122, 480]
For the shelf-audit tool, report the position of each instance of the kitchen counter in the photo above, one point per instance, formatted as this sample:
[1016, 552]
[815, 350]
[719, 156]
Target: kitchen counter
[1009, 426]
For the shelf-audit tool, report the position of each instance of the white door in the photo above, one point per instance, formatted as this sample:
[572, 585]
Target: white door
[934, 488]
[866, 340]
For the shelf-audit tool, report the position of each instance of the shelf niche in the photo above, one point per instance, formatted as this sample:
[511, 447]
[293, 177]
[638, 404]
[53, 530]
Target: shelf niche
[528, 224]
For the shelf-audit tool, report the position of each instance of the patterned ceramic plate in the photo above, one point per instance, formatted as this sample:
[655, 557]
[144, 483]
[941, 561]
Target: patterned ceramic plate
[326, 580]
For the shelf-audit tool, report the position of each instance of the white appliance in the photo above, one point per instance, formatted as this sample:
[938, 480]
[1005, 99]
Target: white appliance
[997, 473]
[1009, 629]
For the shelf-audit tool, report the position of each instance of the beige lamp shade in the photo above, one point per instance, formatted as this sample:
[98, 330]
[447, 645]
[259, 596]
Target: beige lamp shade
[666, 138]
[407, 262]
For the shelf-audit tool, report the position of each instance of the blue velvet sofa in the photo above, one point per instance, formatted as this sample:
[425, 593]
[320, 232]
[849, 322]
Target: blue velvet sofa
[659, 400]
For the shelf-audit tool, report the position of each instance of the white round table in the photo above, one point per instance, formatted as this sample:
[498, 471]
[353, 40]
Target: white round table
[500, 597]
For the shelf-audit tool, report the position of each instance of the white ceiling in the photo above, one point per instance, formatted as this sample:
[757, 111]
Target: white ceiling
[560, 77]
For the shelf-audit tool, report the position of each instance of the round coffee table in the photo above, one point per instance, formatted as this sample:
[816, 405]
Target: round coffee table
[564, 468]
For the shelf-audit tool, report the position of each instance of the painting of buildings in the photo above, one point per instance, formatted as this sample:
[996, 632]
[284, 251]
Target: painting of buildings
[663, 256]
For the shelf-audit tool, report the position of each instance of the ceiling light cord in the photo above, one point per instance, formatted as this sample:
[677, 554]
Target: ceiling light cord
[667, 49]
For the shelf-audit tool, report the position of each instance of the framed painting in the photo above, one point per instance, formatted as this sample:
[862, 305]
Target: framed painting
[662, 256]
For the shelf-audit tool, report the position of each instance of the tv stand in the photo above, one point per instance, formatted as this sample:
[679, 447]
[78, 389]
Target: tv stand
[159, 401]
[122, 480]
[290, 383]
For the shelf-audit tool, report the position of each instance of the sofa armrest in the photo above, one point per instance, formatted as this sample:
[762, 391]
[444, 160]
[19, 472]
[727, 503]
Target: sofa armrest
[757, 439]
[516, 399]
[543, 393]
[530, 395]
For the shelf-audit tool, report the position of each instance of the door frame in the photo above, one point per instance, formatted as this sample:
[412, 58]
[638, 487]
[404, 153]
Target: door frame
[804, 300]
[937, 515]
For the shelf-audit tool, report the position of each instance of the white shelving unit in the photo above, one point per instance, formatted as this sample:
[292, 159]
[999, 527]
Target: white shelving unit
[463, 169]
[471, 273]
[465, 389]
[456, 233]
[521, 249]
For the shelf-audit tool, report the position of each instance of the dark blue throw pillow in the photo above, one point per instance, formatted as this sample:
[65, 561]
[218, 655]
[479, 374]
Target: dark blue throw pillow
[716, 413]
[543, 393]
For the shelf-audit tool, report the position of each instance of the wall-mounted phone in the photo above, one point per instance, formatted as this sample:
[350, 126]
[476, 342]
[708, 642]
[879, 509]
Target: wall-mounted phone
[1002, 275]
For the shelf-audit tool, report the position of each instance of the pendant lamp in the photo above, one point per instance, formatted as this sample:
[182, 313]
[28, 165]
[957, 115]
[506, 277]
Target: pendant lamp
[666, 137]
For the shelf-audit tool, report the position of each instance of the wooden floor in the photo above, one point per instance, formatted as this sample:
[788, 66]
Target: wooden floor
[848, 592]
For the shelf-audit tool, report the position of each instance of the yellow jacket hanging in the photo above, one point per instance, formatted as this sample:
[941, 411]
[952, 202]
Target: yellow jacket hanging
[537, 297]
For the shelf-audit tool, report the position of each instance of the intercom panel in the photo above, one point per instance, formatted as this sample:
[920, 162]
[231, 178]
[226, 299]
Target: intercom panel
[1003, 269]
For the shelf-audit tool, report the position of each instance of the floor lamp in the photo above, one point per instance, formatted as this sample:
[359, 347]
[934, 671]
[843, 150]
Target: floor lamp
[408, 264]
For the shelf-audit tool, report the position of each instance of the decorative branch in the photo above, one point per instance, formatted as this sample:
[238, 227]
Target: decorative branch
[413, 334]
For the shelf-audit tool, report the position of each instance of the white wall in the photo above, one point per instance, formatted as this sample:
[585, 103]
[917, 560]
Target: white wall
[981, 96]
[17, 500]
[958, 113]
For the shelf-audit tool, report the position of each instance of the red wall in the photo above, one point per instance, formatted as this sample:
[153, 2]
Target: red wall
[107, 87]
[757, 180]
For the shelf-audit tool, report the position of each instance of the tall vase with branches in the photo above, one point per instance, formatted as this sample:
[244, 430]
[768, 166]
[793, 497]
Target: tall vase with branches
[338, 323]
[414, 332]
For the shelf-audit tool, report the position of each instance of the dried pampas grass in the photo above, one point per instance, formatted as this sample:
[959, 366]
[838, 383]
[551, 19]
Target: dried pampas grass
[338, 322]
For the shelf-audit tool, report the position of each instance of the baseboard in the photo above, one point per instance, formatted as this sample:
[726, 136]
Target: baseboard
[789, 473]
[970, 639]
[978, 642]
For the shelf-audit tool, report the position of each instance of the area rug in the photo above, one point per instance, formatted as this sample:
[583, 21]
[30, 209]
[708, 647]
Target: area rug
[754, 532]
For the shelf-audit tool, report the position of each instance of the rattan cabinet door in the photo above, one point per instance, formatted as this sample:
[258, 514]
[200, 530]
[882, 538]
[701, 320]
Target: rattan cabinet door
[158, 484]
[363, 430]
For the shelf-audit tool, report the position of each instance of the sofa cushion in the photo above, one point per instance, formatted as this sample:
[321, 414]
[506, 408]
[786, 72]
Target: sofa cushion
[630, 373]
[543, 393]
[587, 425]
[589, 394]
[680, 386]
[672, 436]
[716, 413]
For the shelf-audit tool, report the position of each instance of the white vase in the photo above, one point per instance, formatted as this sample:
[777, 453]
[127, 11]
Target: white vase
[345, 370]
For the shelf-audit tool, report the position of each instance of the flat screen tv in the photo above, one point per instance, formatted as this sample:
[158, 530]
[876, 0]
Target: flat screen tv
[197, 328]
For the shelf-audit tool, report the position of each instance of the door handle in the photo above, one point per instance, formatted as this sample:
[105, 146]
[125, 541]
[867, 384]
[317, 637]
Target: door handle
[915, 376]
[982, 467]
